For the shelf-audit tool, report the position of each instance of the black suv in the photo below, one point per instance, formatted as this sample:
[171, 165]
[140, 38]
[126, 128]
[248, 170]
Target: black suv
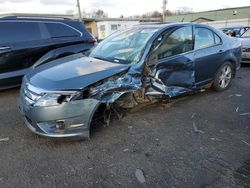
[30, 41]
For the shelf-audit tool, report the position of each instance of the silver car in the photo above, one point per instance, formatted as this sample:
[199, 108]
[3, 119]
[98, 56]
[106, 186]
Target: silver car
[245, 41]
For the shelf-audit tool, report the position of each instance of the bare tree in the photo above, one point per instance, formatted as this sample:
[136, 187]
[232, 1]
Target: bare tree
[154, 14]
[98, 14]
[168, 13]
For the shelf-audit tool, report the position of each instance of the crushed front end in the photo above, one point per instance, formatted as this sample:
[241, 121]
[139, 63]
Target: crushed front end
[56, 114]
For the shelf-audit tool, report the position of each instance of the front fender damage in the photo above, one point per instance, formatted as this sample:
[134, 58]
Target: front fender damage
[132, 88]
[110, 91]
[113, 89]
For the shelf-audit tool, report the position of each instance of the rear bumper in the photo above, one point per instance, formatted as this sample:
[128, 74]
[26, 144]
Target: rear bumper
[67, 120]
[245, 61]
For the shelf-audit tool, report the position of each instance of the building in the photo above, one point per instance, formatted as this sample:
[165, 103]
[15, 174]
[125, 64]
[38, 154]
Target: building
[217, 18]
[103, 27]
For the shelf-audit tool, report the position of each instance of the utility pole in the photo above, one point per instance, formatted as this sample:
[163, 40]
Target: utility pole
[249, 18]
[79, 10]
[164, 10]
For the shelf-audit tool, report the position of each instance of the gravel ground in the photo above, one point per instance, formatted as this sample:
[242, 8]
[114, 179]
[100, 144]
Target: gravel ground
[201, 140]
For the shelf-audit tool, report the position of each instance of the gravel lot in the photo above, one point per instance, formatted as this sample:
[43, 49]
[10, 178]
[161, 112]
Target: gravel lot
[158, 140]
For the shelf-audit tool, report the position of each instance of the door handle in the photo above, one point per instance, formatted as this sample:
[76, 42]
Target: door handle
[221, 51]
[5, 49]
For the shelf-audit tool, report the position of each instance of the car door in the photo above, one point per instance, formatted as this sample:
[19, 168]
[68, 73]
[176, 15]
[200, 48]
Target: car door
[22, 43]
[172, 62]
[208, 54]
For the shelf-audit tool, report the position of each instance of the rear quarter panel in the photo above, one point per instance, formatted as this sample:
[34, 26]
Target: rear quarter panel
[233, 51]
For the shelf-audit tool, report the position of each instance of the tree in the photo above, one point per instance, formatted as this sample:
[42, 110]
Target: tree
[98, 14]
[168, 13]
[154, 14]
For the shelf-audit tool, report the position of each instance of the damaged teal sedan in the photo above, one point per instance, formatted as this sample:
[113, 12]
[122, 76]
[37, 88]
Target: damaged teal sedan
[144, 63]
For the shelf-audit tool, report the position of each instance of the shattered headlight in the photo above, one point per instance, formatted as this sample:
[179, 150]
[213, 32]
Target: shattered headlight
[53, 99]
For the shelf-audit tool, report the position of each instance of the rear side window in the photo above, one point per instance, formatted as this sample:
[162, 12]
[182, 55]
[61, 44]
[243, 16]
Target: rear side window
[19, 32]
[180, 41]
[205, 38]
[217, 39]
[58, 30]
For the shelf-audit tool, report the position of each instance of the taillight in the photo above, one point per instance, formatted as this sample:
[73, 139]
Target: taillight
[91, 41]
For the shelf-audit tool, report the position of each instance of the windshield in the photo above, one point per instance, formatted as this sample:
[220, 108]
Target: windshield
[124, 47]
[246, 34]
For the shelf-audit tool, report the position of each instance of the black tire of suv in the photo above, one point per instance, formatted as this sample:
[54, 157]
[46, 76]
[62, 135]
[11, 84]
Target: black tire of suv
[217, 84]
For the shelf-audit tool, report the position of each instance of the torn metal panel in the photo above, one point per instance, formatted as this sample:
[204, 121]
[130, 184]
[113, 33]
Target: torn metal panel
[114, 88]
[175, 76]
[172, 79]
[171, 91]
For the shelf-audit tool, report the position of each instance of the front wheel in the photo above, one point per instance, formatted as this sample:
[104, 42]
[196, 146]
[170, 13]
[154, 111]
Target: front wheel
[223, 77]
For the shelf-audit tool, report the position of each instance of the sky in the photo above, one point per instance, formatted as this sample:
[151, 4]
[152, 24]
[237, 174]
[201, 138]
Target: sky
[114, 8]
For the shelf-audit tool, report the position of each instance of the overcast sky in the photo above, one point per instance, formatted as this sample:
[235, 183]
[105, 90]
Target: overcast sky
[114, 8]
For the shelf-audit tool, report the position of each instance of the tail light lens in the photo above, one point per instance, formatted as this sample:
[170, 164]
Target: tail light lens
[91, 41]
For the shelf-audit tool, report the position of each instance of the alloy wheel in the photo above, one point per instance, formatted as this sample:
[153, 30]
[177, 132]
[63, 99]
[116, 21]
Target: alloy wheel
[225, 76]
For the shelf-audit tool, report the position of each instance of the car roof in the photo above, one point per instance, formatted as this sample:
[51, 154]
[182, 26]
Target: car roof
[31, 18]
[168, 25]
[161, 26]
[234, 27]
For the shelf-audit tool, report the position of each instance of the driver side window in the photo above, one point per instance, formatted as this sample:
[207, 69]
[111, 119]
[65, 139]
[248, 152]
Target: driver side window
[180, 41]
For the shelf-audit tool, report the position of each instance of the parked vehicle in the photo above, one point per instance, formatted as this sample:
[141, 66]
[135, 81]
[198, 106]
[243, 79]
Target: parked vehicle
[25, 40]
[243, 33]
[245, 41]
[144, 63]
[235, 31]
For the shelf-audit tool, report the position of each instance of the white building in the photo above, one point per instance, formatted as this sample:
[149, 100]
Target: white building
[103, 27]
[227, 23]
[107, 27]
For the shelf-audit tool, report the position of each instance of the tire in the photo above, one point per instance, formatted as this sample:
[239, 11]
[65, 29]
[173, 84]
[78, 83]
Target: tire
[223, 77]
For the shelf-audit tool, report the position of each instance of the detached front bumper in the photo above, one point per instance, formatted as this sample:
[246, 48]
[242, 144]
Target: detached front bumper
[71, 119]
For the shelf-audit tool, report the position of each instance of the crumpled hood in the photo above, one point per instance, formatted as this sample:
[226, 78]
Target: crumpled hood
[72, 73]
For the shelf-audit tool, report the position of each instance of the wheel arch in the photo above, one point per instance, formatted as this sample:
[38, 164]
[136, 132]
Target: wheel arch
[233, 62]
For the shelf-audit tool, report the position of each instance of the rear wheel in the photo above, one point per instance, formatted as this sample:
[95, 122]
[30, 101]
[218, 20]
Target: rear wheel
[223, 77]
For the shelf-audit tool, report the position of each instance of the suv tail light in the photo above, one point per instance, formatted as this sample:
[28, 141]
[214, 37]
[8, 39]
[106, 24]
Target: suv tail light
[91, 41]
